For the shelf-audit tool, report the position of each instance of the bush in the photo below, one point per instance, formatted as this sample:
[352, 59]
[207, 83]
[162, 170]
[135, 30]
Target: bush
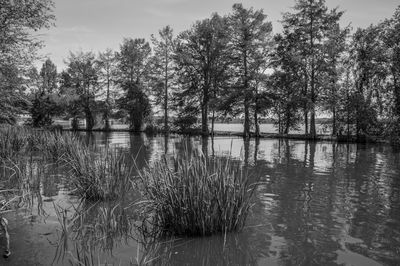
[184, 123]
[195, 196]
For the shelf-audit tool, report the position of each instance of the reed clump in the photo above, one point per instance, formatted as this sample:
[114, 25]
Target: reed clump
[97, 176]
[13, 140]
[193, 195]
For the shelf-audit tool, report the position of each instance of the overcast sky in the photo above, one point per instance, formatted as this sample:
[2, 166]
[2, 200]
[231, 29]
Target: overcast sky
[94, 25]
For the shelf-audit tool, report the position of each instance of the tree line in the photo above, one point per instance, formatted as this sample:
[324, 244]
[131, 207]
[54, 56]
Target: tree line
[222, 66]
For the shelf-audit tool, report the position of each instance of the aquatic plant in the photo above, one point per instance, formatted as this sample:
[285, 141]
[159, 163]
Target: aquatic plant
[193, 195]
[13, 140]
[93, 176]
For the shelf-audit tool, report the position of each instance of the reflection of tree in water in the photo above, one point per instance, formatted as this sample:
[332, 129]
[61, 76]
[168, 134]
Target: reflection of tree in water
[374, 214]
[314, 209]
[51, 180]
[141, 149]
[307, 212]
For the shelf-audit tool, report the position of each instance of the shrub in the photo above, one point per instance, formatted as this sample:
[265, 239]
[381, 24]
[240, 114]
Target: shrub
[195, 196]
[183, 123]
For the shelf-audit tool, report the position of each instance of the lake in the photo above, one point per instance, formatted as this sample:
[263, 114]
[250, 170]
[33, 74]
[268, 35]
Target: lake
[221, 127]
[320, 203]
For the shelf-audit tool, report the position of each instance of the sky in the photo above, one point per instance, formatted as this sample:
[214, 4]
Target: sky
[94, 25]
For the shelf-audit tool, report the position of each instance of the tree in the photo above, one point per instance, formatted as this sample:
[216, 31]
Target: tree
[45, 98]
[163, 68]
[83, 78]
[391, 40]
[335, 48]
[134, 64]
[250, 35]
[311, 23]
[135, 104]
[198, 59]
[286, 81]
[106, 65]
[367, 55]
[18, 49]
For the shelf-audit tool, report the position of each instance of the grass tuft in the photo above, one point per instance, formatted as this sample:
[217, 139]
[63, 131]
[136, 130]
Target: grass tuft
[103, 176]
[194, 195]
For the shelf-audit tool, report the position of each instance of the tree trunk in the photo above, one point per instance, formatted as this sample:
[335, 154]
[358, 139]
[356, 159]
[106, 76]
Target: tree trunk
[166, 127]
[75, 123]
[334, 129]
[279, 121]
[212, 123]
[287, 126]
[257, 126]
[313, 132]
[246, 132]
[89, 119]
[305, 108]
[107, 113]
[305, 121]
[204, 112]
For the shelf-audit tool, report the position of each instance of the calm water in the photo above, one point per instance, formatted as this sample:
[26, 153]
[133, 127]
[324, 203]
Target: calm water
[320, 204]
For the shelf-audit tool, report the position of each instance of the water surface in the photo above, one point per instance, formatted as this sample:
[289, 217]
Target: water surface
[321, 203]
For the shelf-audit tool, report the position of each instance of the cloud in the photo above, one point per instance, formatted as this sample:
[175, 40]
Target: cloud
[73, 29]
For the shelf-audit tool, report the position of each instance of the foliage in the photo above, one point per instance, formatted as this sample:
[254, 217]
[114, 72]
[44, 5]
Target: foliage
[136, 105]
[18, 49]
[133, 63]
[250, 35]
[162, 76]
[199, 54]
[106, 65]
[308, 29]
[46, 101]
[81, 78]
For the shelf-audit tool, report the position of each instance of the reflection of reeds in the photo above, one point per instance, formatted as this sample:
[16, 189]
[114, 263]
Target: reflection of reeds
[19, 183]
[194, 195]
[93, 228]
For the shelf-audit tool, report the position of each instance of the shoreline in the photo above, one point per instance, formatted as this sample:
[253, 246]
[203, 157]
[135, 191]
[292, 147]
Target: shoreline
[341, 139]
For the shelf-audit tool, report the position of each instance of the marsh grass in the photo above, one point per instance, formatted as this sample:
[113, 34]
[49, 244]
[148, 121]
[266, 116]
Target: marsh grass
[13, 140]
[193, 195]
[93, 176]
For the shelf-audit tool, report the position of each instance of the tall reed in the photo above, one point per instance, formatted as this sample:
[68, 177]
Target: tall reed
[93, 176]
[13, 140]
[193, 195]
